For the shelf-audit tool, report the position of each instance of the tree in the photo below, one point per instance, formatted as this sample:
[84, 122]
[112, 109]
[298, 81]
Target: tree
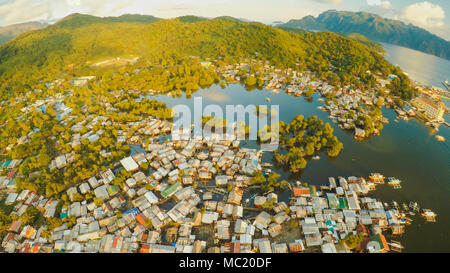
[53, 223]
[70, 221]
[148, 224]
[353, 241]
[250, 81]
[98, 201]
[258, 178]
[309, 148]
[76, 197]
[334, 150]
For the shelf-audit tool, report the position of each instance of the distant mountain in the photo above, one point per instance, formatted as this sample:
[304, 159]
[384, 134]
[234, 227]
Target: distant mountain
[229, 18]
[375, 28]
[9, 32]
[276, 23]
[78, 20]
[191, 19]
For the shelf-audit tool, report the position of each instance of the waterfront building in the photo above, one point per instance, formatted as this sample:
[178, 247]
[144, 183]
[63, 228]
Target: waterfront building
[431, 109]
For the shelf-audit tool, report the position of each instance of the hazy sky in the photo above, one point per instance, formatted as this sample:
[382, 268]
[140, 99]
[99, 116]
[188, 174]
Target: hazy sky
[433, 15]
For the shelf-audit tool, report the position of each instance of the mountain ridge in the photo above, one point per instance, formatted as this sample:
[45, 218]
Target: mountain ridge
[375, 28]
[10, 32]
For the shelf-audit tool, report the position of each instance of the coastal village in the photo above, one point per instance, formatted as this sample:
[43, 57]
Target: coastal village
[357, 110]
[194, 195]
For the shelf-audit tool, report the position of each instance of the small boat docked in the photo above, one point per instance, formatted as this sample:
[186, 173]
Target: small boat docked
[377, 178]
[414, 206]
[429, 215]
[394, 182]
[439, 138]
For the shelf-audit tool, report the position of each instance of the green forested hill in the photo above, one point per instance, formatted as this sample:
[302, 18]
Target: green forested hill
[78, 40]
[375, 28]
[363, 39]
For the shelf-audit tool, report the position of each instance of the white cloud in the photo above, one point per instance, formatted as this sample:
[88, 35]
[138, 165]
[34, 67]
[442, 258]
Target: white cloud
[24, 10]
[386, 4]
[382, 8]
[424, 14]
[335, 2]
[382, 4]
[17, 11]
[73, 2]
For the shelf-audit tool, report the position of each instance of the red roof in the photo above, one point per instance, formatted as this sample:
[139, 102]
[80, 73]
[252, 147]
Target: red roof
[115, 240]
[383, 240]
[301, 191]
[141, 219]
[10, 175]
[295, 247]
[145, 248]
[236, 247]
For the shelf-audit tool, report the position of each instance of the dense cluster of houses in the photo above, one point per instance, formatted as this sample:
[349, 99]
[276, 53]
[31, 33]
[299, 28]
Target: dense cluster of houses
[167, 217]
[192, 194]
[194, 185]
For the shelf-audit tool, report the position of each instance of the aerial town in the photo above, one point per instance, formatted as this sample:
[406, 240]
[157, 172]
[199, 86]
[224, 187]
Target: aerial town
[197, 195]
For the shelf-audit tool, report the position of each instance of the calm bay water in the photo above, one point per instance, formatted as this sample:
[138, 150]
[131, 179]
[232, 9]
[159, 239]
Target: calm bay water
[406, 149]
[424, 68]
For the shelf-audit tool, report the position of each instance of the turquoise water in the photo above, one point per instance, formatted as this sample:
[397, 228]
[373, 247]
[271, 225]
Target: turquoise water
[406, 150]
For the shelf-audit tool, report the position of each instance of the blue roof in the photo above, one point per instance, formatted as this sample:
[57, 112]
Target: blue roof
[134, 212]
[406, 108]
[43, 108]
[6, 163]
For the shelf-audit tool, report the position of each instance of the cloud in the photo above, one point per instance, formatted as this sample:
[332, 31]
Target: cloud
[73, 2]
[386, 4]
[379, 3]
[334, 2]
[24, 10]
[18, 11]
[175, 7]
[424, 14]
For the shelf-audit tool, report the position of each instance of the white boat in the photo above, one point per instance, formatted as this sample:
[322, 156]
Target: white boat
[429, 215]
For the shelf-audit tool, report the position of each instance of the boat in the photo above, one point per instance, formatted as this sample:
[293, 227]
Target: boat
[316, 157]
[394, 182]
[446, 84]
[396, 246]
[377, 178]
[395, 204]
[429, 215]
[405, 206]
[414, 206]
[439, 138]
